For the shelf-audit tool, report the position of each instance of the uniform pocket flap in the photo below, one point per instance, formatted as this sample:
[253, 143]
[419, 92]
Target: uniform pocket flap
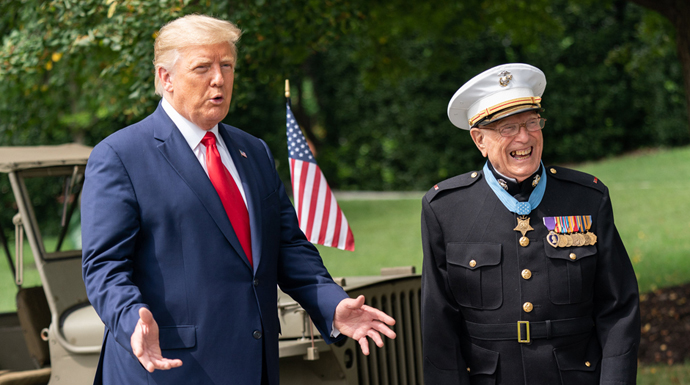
[473, 255]
[177, 337]
[583, 356]
[572, 254]
[482, 361]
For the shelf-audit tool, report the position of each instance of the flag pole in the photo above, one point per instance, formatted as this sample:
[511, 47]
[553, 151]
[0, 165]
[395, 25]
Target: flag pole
[287, 92]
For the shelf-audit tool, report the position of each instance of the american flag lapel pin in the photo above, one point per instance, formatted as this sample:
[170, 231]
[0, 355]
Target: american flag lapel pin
[244, 155]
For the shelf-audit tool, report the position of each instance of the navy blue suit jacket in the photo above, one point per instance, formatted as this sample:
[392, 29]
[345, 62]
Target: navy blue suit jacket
[155, 234]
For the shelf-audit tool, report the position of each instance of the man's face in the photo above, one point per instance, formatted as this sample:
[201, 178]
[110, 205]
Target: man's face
[516, 156]
[200, 85]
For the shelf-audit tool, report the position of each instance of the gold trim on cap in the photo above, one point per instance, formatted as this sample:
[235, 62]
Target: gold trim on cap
[536, 100]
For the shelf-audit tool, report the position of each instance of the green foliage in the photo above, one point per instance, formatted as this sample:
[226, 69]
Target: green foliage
[615, 85]
[371, 80]
[82, 69]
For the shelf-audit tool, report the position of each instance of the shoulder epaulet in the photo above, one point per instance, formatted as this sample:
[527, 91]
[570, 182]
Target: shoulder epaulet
[578, 177]
[455, 182]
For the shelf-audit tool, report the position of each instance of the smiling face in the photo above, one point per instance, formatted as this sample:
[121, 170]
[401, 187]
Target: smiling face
[199, 86]
[516, 156]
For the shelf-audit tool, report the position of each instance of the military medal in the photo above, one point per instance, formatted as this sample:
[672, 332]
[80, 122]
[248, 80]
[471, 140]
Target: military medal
[522, 209]
[562, 241]
[567, 231]
[552, 238]
[523, 227]
[591, 238]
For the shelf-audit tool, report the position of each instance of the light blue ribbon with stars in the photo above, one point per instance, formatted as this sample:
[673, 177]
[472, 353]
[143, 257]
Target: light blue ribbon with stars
[512, 204]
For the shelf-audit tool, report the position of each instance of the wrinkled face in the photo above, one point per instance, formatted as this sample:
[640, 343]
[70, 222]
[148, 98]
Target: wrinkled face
[200, 85]
[515, 157]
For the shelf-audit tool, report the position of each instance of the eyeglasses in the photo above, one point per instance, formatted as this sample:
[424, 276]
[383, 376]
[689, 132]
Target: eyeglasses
[513, 129]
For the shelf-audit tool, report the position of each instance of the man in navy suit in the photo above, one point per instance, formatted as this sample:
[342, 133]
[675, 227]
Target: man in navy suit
[187, 230]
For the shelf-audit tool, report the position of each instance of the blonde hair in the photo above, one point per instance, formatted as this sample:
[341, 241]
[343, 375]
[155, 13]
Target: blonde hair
[189, 31]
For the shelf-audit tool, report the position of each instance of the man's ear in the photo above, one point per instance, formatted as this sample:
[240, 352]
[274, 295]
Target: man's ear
[165, 78]
[479, 140]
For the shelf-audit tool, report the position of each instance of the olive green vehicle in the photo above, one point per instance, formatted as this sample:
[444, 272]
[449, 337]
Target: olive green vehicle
[55, 336]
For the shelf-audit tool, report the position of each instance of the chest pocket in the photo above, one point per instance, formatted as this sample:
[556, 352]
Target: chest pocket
[571, 273]
[474, 274]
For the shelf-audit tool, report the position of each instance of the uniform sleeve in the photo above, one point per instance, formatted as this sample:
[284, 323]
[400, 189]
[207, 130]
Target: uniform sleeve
[443, 361]
[301, 272]
[110, 223]
[616, 303]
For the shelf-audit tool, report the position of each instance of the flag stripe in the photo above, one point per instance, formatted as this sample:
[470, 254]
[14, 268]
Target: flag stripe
[314, 202]
[336, 229]
[326, 214]
[305, 188]
[295, 187]
[319, 214]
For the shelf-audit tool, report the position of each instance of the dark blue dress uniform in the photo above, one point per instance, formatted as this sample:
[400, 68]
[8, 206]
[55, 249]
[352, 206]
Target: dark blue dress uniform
[497, 312]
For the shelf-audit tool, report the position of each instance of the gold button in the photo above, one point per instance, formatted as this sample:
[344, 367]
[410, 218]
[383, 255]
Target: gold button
[573, 256]
[524, 241]
[468, 369]
[553, 170]
[474, 174]
[527, 307]
[526, 274]
[587, 364]
[473, 263]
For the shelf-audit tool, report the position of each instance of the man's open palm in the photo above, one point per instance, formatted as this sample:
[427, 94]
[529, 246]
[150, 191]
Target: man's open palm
[146, 346]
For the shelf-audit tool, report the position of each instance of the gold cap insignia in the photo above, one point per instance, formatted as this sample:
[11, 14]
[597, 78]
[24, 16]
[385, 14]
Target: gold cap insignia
[505, 78]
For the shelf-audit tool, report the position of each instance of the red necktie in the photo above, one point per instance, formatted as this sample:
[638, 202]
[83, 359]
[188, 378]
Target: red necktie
[229, 194]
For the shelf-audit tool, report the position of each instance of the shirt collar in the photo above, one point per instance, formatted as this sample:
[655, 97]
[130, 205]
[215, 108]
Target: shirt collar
[191, 132]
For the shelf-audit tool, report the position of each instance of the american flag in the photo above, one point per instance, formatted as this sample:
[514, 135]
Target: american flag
[320, 217]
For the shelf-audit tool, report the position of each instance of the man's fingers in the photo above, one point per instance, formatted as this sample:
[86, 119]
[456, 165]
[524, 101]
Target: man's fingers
[364, 345]
[145, 315]
[382, 328]
[379, 315]
[376, 337]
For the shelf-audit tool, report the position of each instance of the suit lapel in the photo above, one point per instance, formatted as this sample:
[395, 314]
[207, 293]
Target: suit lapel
[246, 168]
[176, 151]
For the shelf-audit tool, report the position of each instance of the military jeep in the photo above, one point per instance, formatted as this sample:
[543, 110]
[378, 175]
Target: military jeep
[55, 335]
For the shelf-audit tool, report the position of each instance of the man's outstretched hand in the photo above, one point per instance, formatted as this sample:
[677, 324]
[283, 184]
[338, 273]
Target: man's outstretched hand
[145, 344]
[357, 321]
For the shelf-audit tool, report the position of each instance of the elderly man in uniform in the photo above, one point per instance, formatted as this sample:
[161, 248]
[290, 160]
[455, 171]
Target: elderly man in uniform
[525, 279]
[187, 231]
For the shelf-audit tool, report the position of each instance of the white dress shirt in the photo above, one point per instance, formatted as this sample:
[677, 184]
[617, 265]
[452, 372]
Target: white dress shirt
[193, 135]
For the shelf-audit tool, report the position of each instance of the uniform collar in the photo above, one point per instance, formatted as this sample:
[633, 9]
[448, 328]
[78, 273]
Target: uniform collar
[518, 190]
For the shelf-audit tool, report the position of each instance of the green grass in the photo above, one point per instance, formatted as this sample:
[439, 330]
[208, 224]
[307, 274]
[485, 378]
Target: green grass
[650, 193]
[8, 289]
[664, 375]
[387, 234]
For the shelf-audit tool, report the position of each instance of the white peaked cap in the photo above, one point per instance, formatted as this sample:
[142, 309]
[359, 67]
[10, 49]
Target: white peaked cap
[497, 93]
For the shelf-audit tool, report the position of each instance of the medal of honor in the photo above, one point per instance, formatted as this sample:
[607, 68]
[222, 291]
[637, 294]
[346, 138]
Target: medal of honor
[522, 209]
[523, 227]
